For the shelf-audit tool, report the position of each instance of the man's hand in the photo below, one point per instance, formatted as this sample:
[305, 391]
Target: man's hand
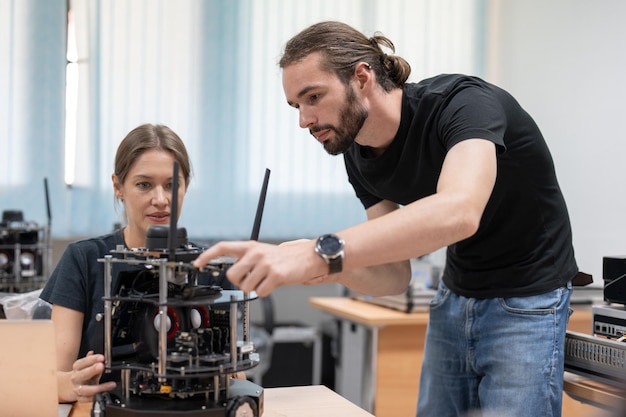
[263, 267]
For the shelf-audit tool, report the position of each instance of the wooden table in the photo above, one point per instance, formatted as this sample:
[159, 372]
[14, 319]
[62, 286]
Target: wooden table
[392, 350]
[595, 394]
[305, 401]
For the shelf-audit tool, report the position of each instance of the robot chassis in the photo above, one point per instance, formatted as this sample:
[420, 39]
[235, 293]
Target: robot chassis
[173, 342]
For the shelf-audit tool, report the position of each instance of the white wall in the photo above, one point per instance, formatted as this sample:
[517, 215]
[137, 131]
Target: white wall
[565, 61]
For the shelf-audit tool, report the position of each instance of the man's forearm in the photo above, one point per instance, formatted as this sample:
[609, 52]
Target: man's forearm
[387, 279]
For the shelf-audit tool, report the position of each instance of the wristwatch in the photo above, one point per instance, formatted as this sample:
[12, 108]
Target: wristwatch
[330, 248]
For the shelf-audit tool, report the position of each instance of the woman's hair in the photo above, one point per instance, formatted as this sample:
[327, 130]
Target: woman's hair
[342, 47]
[144, 138]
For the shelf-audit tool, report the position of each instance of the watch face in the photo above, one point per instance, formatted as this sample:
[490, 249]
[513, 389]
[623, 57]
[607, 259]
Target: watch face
[330, 244]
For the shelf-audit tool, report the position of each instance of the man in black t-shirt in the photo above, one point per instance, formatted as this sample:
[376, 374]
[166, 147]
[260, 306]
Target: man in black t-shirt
[451, 161]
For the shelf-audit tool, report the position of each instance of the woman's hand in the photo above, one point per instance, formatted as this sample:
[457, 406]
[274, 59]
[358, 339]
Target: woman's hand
[85, 377]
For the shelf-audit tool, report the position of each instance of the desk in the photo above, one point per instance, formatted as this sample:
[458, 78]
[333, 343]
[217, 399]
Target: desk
[380, 357]
[304, 401]
[597, 394]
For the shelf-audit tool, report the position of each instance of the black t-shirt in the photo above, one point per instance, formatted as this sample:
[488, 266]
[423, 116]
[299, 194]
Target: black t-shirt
[77, 282]
[524, 243]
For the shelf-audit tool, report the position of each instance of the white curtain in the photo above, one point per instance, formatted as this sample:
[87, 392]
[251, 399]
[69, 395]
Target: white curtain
[208, 69]
[139, 62]
[32, 78]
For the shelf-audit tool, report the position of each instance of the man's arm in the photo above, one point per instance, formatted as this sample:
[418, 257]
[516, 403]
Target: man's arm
[382, 246]
[450, 215]
[389, 236]
[386, 279]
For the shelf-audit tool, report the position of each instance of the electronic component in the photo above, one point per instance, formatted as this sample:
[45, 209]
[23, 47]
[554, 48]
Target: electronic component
[614, 276]
[609, 321]
[25, 251]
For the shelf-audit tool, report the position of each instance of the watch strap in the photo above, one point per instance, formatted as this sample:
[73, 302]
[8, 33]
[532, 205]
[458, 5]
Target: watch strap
[335, 265]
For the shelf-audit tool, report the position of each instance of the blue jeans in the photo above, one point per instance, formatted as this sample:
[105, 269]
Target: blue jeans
[494, 357]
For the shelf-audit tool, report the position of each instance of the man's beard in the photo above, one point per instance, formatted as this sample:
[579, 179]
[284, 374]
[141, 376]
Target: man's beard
[352, 117]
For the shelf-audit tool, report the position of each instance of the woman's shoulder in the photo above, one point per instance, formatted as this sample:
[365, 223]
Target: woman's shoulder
[101, 243]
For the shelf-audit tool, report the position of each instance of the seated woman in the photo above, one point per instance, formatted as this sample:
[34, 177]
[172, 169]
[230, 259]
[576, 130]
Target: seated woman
[142, 181]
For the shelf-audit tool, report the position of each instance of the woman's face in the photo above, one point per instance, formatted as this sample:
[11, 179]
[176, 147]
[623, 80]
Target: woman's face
[147, 194]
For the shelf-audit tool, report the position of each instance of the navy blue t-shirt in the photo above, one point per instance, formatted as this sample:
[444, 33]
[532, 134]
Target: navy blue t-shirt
[77, 282]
